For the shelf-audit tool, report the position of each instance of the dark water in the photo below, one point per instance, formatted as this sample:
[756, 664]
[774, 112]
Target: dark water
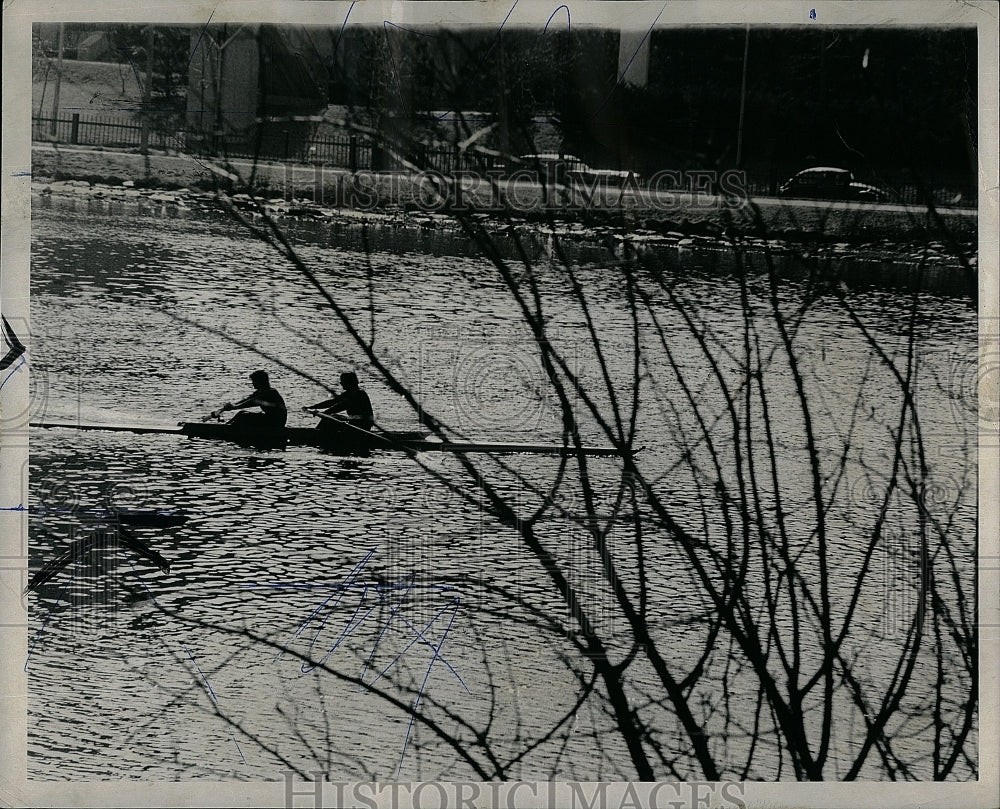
[369, 563]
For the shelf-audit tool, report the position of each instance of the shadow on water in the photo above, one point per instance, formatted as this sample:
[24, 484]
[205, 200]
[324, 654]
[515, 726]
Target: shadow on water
[261, 462]
[272, 534]
[878, 264]
[345, 469]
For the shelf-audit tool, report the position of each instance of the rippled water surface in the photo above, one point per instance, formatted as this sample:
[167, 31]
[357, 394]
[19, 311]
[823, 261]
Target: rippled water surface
[135, 672]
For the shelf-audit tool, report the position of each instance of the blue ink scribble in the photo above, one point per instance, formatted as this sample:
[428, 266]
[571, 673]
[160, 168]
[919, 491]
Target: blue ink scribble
[343, 588]
[394, 597]
[36, 639]
[427, 675]
[336, 48]
[504, 23]
[16, 368]
[17, 348]
[496, 39]
[201, 34]
[392, 57]
[208, 686]
[420, 636]
[632, 58]
[215, 699]
[569, 23]
[41, 629]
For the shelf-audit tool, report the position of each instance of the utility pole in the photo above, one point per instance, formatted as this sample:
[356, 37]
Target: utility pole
[59, 72]
[147, 91]
[220, 70]
[504, 100]
[743, 99]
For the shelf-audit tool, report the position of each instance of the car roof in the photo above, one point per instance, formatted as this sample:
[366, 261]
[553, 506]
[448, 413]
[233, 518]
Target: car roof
[825, 169]
[550, 156]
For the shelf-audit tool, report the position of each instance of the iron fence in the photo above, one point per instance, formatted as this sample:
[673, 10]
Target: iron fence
[355, 152]
[99, 131]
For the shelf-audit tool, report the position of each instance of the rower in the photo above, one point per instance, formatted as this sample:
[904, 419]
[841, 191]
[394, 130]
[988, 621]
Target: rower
[273, 411]
[353, 403]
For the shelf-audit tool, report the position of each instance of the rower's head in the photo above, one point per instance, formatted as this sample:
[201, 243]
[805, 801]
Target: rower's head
[260, 380]
[349, 380]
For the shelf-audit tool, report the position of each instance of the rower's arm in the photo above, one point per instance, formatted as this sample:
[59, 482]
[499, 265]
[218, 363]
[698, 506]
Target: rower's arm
[336, 402]
[352, 400]
[250, 401]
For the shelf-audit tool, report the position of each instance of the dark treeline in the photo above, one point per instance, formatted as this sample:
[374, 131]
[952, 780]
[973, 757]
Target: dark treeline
[870, 99]
[811, 96]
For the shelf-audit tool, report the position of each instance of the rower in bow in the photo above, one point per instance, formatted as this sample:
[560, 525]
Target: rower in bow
[273, 411]
[353, 403]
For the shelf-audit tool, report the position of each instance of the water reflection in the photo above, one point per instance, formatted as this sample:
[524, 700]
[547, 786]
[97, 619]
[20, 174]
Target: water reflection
[269, 530]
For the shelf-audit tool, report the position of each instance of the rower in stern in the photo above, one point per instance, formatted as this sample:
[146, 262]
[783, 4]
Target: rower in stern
[353, 403]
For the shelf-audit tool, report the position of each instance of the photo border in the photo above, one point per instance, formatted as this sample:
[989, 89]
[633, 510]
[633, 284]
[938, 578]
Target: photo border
[19, 16]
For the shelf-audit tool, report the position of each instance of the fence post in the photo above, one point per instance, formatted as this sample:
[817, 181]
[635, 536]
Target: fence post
[59, 72]
[352, 153]
[74, 135]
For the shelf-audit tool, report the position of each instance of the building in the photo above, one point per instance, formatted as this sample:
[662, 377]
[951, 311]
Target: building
[255, 86]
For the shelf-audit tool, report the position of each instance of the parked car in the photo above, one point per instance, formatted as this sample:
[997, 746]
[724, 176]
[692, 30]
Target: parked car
[555, 168]
[823, 182]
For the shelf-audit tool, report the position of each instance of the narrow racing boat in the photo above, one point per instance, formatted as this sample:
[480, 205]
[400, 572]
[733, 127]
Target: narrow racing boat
[346, 442]
[352, 441]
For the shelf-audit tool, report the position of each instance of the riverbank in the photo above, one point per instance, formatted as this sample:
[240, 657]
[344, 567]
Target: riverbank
[878, 232]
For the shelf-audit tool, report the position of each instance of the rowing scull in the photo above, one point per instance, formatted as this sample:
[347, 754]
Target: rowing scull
[358, 441]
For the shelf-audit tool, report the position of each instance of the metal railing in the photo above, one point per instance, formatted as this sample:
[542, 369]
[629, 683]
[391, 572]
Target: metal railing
[349, 151]
[98, 131]
[356, 152]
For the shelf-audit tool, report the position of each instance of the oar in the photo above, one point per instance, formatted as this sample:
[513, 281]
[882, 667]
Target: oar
[215, 415]
[82, 546]
[368, 434]
[78, 548]
[142, 548]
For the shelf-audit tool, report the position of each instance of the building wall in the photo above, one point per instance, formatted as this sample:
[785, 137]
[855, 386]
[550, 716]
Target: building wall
[223, 81]
[633, 58]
